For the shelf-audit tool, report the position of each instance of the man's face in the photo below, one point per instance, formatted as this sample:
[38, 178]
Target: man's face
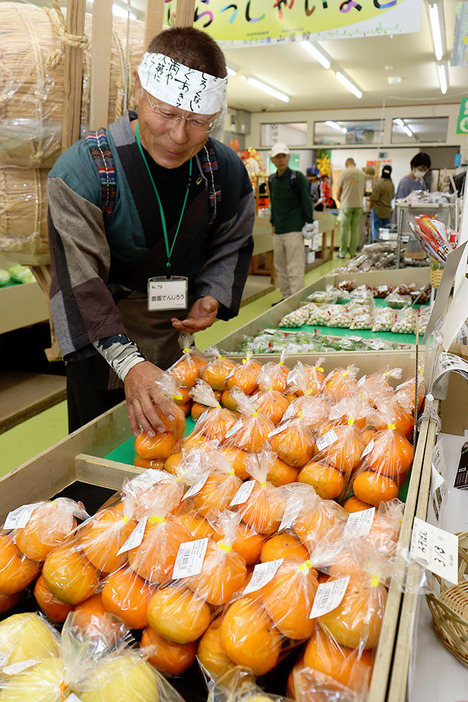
[281, 161]
[169, 141]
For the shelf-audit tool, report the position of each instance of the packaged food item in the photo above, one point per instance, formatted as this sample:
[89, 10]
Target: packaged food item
[274, 376]
[384, 319]
[405, 322]
[214, 421]
[217, 369]
[238, 685]
[251, 430]
[296, 318]
[397, 301]
[244, 376]
[362, 320]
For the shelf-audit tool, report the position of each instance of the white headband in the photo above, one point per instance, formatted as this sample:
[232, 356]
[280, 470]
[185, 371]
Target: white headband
[183, 87]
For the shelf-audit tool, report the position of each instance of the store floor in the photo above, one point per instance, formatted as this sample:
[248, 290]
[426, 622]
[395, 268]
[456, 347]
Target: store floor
[26, 440]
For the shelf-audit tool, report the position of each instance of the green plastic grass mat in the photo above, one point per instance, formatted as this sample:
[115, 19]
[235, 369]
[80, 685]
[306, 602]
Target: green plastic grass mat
[125, 453]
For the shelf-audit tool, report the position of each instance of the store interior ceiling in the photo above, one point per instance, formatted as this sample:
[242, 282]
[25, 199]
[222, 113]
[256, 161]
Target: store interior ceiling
[390, 71]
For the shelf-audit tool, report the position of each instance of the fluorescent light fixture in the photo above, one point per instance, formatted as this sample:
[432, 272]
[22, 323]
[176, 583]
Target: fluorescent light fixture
[347, 84]
[267, 89]
[119, 11]
[436, 30]
[231, 71]
[400, 122]
[318, 56]
[407, 130]
[442, 73]
[335, 125]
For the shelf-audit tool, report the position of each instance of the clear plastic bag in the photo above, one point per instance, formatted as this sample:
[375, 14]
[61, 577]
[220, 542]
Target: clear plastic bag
[238, 685]
[217, 369]
[251, 430]
[214, 421]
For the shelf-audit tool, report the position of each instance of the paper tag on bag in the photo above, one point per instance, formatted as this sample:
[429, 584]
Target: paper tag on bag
[360, 523]
[146, 480]
[235, 427]
[73, 698]
[436, 549]
[18, 667]
[243, 493]
[262, 574]
[368, 448]
[326, 440]
[196, 487]
[135, 538]
[19, 517]
[190, 557]
[328, 596]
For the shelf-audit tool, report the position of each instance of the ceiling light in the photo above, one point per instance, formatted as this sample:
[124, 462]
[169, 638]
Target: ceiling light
[442, 73]
[347, 84]
[318, 56]
[335, 125]
[231, 71]
[400, 122]
[436, 30]
[267, 89]
[407, 130]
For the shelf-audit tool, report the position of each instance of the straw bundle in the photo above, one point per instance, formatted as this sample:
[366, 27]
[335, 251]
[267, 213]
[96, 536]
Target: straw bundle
[31, 81]
[23, 214]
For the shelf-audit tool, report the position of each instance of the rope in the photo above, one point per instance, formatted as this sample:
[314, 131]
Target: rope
[57, 19]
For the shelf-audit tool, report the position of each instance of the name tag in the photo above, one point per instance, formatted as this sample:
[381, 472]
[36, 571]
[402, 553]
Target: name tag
[167, 293]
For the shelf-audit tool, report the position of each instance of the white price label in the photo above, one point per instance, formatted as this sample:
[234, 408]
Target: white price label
[362, 380]
[262, 574]
[326, 440]
[190, 558]
[196, 487]
[73, 698]
[15, 668]
[368, 448]
[438, 460]
[360, 523]
[276, 430]
[135, 538]
[18, 518]
[243, 493]
[145, 480]
[328, 596]
[436, 549]
[233, 429]
[383, 288]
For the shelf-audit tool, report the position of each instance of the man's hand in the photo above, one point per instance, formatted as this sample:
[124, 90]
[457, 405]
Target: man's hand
[145, 401]
[202, 314]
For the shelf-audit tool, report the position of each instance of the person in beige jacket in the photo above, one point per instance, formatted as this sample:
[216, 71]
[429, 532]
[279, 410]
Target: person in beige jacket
[350, 193]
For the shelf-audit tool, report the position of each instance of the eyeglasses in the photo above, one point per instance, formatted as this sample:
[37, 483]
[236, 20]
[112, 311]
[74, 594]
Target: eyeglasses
[194, 124]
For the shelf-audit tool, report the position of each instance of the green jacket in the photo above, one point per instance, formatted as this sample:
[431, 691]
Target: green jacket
[290, 202]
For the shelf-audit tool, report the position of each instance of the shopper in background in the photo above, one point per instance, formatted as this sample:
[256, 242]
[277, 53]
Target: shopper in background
[380, 201]
[419, 164]
[153, 195]
[350, 193]
[291, 209]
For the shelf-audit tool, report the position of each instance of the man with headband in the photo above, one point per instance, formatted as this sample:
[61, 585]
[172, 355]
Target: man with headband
[150, 230]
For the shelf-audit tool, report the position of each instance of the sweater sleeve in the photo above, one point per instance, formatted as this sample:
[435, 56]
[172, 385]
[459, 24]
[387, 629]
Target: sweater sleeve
[306, 199]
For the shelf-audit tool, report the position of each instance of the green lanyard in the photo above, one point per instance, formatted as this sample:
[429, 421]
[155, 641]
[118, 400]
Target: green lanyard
[161, 211]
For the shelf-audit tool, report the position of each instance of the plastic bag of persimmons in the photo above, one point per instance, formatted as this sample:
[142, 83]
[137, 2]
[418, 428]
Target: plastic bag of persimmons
[94, 660]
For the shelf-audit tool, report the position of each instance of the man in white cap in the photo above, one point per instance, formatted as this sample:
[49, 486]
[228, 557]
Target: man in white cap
[150, 230]
[291, 209]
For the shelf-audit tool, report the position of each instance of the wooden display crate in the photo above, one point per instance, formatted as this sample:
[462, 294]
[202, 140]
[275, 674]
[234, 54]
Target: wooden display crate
[453, 421]
[80, 458]
[271, 318]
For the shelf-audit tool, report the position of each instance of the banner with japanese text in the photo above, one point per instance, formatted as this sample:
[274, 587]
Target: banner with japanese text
[247, 22]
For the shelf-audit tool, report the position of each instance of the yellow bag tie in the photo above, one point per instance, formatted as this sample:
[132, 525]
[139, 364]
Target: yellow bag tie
[392, 427]
[125, 519]
[351, 420]
[224, 547]
[157, 520]
[375, 581]
[306, 566]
